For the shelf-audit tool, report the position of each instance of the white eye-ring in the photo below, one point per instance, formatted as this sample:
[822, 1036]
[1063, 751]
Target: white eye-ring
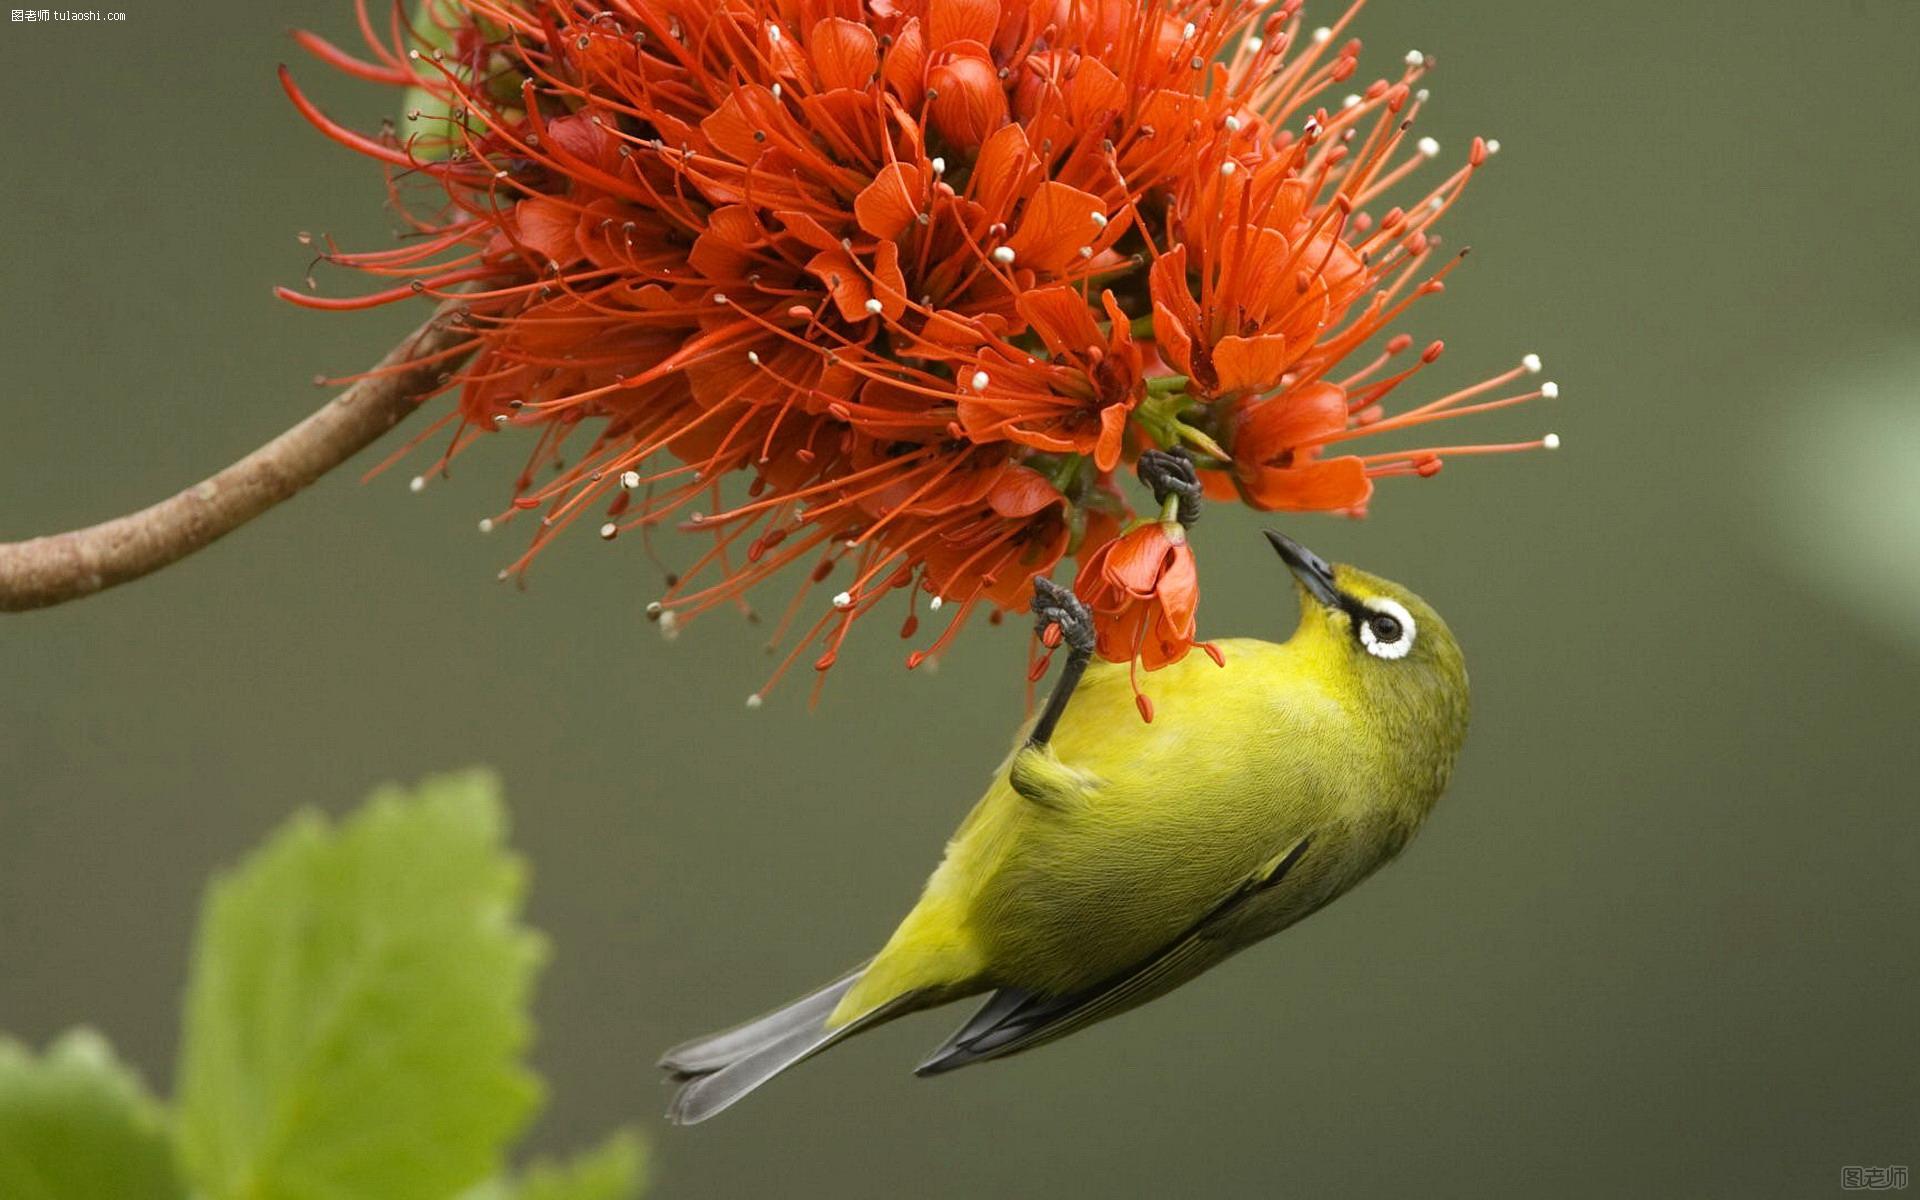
[1387, 631]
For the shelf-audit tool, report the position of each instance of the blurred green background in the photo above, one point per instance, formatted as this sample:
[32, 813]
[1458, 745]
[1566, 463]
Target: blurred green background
[1662, 938]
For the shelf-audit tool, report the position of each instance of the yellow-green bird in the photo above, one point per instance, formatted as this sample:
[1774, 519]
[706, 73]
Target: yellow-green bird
[1112, 860]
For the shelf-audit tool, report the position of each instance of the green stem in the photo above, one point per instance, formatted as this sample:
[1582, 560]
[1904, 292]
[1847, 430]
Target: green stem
[1200, 441]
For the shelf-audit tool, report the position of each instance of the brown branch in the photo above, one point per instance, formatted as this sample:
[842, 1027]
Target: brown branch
[51, 570]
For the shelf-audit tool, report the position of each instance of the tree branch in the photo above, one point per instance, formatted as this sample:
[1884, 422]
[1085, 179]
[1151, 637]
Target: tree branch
[51, 570]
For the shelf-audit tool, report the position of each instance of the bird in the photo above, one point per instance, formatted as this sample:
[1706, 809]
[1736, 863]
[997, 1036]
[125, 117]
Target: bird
[1112, 860]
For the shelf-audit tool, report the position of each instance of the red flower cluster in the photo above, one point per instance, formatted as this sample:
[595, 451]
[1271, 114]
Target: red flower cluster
[896, 287]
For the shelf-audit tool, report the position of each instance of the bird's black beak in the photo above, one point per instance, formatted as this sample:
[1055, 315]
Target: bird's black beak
[1309, 568]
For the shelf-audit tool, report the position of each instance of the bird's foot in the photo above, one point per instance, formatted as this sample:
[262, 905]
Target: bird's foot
[1056, 606]
[1171, 473]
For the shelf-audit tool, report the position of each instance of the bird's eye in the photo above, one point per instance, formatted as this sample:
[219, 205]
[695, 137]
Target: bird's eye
[1387, 630]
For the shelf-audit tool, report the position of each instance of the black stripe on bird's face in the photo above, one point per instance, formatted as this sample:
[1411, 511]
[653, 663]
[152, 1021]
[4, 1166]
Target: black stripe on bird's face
[1383, 627]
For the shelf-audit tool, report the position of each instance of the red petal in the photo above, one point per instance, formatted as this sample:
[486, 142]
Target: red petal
[547, 226]
[886, 207]
[1180, 593]
[906, 67]
[1119, 632]
[1004, 162]
[1171, 340]
[1113, 429]
[1061, 317]
[1138, 559]
[845, 282]
[1266, 429]
[1338, 483]
[747, 110]
[971, 103]
[1263, 280]
[1056, 223]
[1093, 90]
[1176, 316]
[808, 230]
[722, 251]
[1250, 364]
[889, 281]
[587, 138]
[950, 21]
[1021, 492]
[845, 54]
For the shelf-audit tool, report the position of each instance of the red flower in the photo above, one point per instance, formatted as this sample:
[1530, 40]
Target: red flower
[1076, 399]
[884, 263]
[1275, 452]
[1144, 591]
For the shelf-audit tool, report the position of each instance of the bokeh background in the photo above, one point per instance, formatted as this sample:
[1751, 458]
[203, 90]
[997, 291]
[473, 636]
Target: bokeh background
[1663, 937]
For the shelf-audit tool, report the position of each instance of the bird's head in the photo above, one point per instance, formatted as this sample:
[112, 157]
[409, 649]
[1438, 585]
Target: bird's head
[1372, 637]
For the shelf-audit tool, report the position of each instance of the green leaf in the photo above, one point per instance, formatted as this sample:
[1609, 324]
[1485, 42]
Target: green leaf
[614, 1171]
[358, 1006]
[75, 1124]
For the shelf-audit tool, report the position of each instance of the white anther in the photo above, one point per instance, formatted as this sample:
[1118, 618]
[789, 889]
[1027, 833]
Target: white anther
[1234, 124]
[414, 55]
[1428, 147]
[1187, 33]
[936, 603]
[773, 32]
[609, 530]
[843, 601]
[1352, 100]
[873, 307]
[776, 91]
[719, 297]
[1423, 95]
[669, 626]
[1229, 167]
[939, 166]
[1254, 44]
[1532, 363]
[1493, 145]
[979, 381]
[754, 700]
[486, 524]
[417, 484]
[655, 608]
[1086, 252]
[629, 479]
[1322, 35]
[753, 356]
[1003, 255]
[499, 420]
[1550, 390]
[1551, 441]
[1099, 219]
[1416, 59]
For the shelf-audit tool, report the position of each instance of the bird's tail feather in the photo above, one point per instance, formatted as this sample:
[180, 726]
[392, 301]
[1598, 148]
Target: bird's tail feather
[707, 1054]
[718, 1071]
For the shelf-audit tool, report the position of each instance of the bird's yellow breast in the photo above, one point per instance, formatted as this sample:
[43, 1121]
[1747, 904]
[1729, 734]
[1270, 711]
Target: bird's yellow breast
[1153, 824]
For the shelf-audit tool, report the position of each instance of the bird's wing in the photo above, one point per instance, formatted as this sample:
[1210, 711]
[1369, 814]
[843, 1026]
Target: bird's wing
[1016, 1019]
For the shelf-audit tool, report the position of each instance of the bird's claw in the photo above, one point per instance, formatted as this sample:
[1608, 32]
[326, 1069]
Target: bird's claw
[1057, 606]
[1171, 473]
